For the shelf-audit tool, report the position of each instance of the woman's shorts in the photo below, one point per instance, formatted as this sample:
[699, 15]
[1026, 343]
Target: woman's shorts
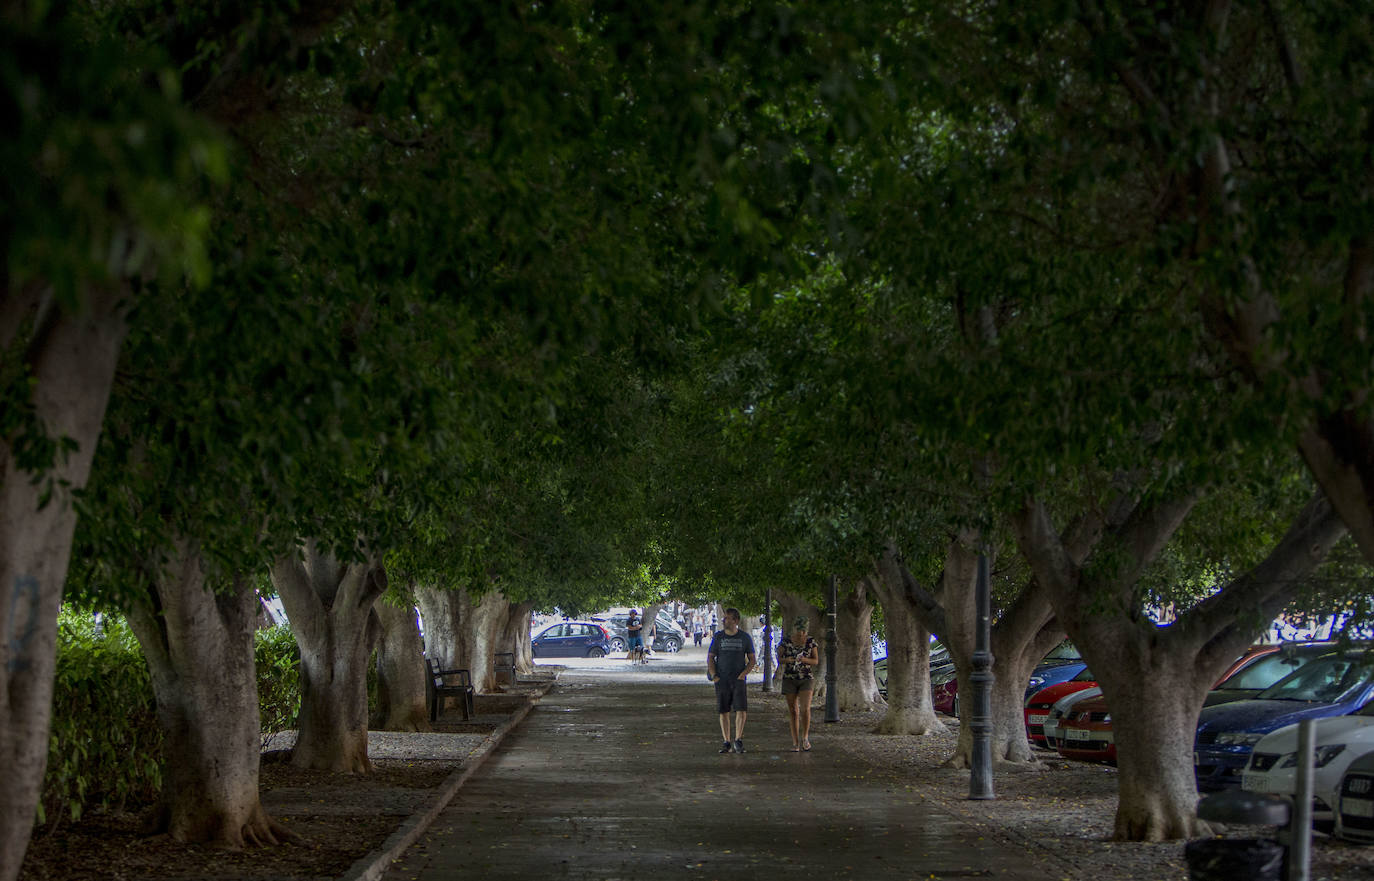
[796, 686]
[732, 694]
[634, 642]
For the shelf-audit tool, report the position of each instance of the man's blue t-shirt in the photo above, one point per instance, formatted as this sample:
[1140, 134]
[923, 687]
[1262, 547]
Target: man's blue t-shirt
[731, 653]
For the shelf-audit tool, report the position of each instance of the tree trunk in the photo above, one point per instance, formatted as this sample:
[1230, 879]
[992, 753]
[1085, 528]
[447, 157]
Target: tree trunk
[462, 634]
[1154, 678]
[1154, 720]
[515, 636]
[400, 671]
[909, 708]
[331, 610]
[72, 364]
[854, 681]
[199, 648]
[1022, 635]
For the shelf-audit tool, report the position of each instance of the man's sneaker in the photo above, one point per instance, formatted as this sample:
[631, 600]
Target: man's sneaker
[739, 746]
[725, 747]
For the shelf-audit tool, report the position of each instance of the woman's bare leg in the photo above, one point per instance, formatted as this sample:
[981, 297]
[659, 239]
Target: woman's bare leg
[792, 718]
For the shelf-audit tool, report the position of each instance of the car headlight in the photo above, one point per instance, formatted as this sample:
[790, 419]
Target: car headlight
[1036, 682]
[1321, 756]
[1238, 738]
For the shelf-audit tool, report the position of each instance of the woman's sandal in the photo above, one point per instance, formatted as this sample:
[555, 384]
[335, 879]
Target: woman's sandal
[795, 748]
[806, 746]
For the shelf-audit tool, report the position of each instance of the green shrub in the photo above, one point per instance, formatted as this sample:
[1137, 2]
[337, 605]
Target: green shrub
[105, 750]
[279, 680]
[105, 746]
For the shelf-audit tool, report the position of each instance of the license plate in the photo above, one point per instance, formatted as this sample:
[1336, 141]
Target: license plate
[1254, 782]
[1038, 720]
[1357, 807]
[1077, 734]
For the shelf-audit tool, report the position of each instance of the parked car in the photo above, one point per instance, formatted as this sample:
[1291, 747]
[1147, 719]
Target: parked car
[1040, 703]
[1334, 684]
[944, 691]
[1266, 666]
[1085, 732]
[1053, 727]
[944, 684]
[940, 664]
[1355, 807]
[571, 639]
[1338, 742]
[668, 637]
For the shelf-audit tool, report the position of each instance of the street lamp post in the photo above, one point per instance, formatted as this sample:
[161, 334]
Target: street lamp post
[832, 697]
[980, 780]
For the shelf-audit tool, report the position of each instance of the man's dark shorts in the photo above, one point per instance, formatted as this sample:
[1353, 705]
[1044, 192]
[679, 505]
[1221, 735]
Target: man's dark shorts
[731, 695]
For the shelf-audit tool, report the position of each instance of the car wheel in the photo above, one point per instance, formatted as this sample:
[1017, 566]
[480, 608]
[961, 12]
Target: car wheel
[617, 644]
[671, 646]
[595, 652]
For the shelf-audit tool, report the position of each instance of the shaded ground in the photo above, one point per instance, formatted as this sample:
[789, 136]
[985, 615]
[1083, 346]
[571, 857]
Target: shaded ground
[1062, 812]
[339, 818]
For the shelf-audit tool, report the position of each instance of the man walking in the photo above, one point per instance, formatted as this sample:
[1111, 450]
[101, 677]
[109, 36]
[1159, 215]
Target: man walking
[729, 661]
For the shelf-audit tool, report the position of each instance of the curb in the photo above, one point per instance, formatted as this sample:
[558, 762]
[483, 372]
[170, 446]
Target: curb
[372, 866]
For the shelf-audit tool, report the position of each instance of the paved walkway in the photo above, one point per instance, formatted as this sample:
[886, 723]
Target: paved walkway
[616, 775]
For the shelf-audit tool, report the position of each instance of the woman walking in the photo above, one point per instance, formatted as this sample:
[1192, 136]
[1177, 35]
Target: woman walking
[798, 655]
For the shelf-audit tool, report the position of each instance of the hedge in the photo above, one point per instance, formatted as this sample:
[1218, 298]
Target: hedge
[105, 748]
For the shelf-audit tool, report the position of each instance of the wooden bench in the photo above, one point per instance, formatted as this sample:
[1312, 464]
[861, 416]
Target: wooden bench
[437, 688]
[504, 667]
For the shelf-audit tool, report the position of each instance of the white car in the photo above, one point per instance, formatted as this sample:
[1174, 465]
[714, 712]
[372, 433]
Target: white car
[1355, 814]
[1339, 741]
[1061, 709]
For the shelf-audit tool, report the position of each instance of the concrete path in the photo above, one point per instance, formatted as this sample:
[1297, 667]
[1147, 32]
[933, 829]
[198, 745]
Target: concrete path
[615, 774]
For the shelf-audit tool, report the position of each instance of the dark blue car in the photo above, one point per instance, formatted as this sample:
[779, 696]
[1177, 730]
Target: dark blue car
[571, 639]
[1333, 685]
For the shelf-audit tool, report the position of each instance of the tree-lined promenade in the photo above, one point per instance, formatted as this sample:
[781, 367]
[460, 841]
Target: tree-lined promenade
[521, 306]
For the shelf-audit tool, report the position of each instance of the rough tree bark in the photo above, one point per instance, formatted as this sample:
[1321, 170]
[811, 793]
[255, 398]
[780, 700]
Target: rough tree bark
[400, 671]
[1155, 678]
[909, 706]
[1021, 635]
[461, 633]
[199, 646]
[71, 358]
[515, 636]
[330, 605]
[856, 687]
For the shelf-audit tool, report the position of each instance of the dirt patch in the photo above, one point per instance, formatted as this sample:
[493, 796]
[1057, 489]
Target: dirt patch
[359, 813]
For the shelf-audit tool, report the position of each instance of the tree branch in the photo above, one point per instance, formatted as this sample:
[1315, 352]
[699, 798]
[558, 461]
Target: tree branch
[1261, 593]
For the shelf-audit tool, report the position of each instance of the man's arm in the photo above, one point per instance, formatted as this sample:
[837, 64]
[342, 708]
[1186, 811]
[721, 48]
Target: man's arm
[711, 664]
[750, 661]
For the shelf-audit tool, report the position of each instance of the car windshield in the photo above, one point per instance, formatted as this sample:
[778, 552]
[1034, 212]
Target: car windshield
[1329, 679]
[1085, 676]
[1267, 670]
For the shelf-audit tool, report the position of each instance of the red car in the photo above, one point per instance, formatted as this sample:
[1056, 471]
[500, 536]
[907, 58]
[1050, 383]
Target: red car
[944, 692]
[1039, 705]
[1085, 732]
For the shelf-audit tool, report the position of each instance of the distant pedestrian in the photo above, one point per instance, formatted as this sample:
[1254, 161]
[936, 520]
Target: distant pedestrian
[634, 637]
[729, 661]
[798, 654]
[698, 632]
